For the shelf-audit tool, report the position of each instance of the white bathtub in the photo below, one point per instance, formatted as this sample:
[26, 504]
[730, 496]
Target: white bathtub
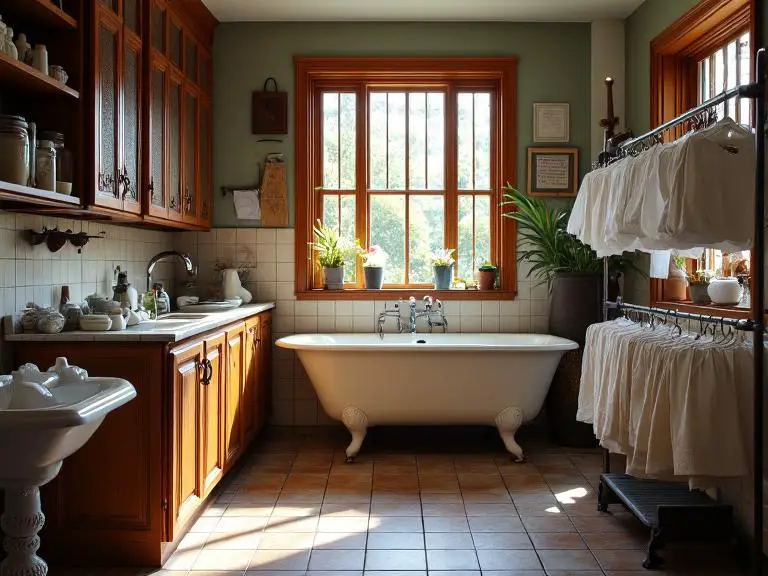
[493, 379]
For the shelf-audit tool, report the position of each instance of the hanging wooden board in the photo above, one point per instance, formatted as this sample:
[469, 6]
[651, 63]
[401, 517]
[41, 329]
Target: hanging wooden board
[274, 195]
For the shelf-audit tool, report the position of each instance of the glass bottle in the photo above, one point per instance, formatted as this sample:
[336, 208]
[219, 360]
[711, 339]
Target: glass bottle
[65, 162]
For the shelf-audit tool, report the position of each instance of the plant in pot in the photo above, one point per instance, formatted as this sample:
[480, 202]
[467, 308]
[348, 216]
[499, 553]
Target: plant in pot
[374, 260]
[674, 287]
[698, 285]
[332, 252]
[442, 266]
[486, 276]
[574, 274]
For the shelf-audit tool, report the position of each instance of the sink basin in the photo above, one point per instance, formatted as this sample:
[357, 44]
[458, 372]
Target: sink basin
[49, 415]
[181, 316]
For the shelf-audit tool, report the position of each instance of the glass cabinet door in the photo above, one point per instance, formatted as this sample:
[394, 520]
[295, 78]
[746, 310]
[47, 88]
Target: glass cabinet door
[174, 174]
[158, 203]
[190, 155]
[131, 169]
[107, 111]
[158, 26]
[204, 160]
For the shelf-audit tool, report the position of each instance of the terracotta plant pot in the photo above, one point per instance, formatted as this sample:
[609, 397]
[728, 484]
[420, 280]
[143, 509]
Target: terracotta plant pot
[674, 289]
[486, 279]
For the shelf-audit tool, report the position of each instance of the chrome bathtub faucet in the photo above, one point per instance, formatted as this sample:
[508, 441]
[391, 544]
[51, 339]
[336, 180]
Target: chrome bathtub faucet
[432, 310]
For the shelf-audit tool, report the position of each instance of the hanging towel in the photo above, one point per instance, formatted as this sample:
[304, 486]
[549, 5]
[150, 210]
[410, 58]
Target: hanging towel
[247, 204]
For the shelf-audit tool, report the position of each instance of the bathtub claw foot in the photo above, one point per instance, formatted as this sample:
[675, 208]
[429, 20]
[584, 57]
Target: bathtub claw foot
[357, 423]
[508, 421]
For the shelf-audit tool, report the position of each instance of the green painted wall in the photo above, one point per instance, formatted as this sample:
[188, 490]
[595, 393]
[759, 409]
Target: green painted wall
[554, 66]
[647, 22]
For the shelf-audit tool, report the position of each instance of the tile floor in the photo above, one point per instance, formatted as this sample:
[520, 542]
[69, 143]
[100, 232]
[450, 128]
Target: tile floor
[416, 503]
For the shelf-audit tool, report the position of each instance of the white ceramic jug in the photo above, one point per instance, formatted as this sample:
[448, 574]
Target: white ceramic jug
[230, 286]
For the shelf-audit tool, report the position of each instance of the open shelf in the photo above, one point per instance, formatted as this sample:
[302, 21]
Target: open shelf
[23, 77]
[25, 194]
[42, 12]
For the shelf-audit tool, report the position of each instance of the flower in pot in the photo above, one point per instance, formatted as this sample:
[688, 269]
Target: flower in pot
[374, 260]
[332, 252]
[698, 284]
[674, 287]
[486, 276]
[442, 266]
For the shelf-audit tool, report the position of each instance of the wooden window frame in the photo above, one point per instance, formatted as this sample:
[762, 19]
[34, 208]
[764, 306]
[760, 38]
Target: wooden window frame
[481, 73]
[675, 55]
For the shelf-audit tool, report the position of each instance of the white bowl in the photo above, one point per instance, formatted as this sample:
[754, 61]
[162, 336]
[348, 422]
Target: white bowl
[95, 322]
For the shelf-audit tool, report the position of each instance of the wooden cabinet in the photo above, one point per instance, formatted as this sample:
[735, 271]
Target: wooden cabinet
[137, 486]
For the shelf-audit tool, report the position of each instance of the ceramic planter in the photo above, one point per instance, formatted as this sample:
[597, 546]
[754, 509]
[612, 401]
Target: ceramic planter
[725, 291]
[374, 277]
[333, 278]
[699, 293]
[674, 287]
[486, 279]
[443, 277]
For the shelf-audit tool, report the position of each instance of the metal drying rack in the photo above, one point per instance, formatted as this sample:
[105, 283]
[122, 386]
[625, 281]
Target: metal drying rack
[671, 510]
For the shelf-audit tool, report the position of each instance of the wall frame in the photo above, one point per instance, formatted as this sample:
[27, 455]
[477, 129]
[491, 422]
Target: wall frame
[551, 122]
[553, 172]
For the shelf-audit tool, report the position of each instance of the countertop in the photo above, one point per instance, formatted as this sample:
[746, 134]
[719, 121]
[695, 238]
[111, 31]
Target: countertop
[172, 330]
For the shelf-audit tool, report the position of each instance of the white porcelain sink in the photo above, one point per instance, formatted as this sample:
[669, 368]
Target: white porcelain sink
[181, 316]
[44, 417]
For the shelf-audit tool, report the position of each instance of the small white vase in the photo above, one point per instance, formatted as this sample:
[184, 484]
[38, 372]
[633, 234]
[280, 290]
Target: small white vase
[725, 291]
[230, 286]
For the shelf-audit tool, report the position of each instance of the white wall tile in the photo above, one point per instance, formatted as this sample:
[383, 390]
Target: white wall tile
[226, 236]
[305, 308]
[326, 324]
[490, 323]
[266, 236]
[362, 324]
[471, 323]
[362, 307]
[305, 324]
[285, 253]
[471, 308]
[285, 236]
[344, 308]
[285, 272]
[344, 323]
[266, 253]
[491, 308]
[326, 308]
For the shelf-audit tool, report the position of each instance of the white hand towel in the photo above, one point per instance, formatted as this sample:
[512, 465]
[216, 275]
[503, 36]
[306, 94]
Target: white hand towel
[247, 204]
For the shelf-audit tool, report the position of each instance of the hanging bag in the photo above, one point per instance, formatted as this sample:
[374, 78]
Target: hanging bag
[270, 110]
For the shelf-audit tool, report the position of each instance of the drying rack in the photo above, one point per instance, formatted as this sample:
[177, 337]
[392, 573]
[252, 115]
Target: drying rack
[670, 510]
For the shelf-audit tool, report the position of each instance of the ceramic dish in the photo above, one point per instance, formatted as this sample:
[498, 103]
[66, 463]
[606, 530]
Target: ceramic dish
[95, 322]
[212, 306]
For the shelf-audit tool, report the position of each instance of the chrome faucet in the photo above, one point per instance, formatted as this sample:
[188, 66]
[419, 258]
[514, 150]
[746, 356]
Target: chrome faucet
[431, 309]
[186, 258]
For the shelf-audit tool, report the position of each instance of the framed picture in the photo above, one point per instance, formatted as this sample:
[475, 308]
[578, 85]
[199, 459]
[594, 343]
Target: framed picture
[553, 171]
[551, 122]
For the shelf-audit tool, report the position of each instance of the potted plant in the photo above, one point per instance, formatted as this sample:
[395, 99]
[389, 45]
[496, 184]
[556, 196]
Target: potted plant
[374, 260]
[574, 274]
[486, 276]
[699, 285]
[674, 287]
[442, 266]
[332, 252]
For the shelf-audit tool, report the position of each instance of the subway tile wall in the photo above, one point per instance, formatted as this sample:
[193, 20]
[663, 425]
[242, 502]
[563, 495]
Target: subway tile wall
[35, 274]
[270, 254]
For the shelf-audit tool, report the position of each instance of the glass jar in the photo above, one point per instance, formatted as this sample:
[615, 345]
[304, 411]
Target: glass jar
[45, 166]
[14, 150]
[65, 161]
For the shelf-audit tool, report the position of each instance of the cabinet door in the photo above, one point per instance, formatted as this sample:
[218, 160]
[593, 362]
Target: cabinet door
[212, 412]
[158, 129]
[108, 46]
[175, 97]
[130, 170]
[190, 197]
[234, 394]
[264, 392]
[251, 408]
[188, 435]
[204, 160]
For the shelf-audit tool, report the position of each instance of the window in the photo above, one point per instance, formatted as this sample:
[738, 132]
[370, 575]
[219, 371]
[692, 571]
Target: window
[410, 155]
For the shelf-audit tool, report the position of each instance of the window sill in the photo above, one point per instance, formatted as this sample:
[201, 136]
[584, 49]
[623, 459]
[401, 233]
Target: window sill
[396, 293]
[707, 309]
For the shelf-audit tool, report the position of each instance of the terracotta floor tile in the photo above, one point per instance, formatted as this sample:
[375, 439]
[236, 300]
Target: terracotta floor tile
[452, 560]
[449, 541]
[395, 509]
[557, 541]
[395, 541]
[442, 498]
[233, 541]
[606, 523]
[620, 559]
[395, 573]
[340, 541]
[296, 510]
[289, 524]
[279, 560]
[554, 523]
[502, 541]
[395, 560]
[241, 524]
[584, 573]
[395, 524]
[337, 560]
[568, 560]
[486, 497]
[248, 510]
[223, 560]
[614, 541]
[508, 560]
[443, 510]
[286, 541]
[349, 524]
[445, 524]
[454, 573]
[346, 510]
[495, 524]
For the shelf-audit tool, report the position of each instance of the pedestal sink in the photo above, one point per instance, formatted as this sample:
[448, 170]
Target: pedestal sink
[44, 417]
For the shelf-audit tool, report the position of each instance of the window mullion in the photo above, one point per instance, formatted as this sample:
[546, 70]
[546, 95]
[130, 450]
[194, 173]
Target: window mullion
[361, 173]
[451, 170]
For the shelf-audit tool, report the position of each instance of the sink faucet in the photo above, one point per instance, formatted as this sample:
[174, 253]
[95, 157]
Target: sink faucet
[431, 308]
[186, 258]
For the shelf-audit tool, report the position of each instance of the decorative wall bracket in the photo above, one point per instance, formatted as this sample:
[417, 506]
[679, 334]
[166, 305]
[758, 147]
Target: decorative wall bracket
[55, 239]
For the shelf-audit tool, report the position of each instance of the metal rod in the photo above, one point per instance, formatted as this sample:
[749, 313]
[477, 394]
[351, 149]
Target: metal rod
[758, 303]
[606, 307]
[736, 323]
[703, 107]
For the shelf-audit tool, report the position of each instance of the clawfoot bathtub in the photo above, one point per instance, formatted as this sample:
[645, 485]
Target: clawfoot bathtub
[491, 379]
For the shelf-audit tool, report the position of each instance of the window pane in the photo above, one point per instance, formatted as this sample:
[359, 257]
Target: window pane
[705, 95]
[745, 68]
[465, 127]
[436, 141]
[347, 133]
[331, 210]
[387, 219]
[731, 79]
[377, 138]
[482, 141]
[482, 230]
[466, 235]
[426, 223]
[331, 140]
[719, 79]
[347, 232]
[417, 140]
[396, 141]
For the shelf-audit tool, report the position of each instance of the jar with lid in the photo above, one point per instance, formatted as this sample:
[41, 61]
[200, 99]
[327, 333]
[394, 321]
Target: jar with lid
[45, 165]
[14, 150]
[65, 163]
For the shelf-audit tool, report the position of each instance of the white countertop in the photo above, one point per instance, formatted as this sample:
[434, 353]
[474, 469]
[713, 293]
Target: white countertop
[171, 330]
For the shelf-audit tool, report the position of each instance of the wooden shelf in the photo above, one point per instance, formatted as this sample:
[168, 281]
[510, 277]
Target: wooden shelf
[706, 309]
[21, 76]
[43, 12]
[26, 195]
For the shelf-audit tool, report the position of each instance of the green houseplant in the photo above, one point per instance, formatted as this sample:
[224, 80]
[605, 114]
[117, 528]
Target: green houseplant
[332, 252]
[486, 276]
[574, 274]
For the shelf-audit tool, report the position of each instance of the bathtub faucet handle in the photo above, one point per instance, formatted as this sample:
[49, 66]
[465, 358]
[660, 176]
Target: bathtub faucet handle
[438, 304]
[427, 302]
